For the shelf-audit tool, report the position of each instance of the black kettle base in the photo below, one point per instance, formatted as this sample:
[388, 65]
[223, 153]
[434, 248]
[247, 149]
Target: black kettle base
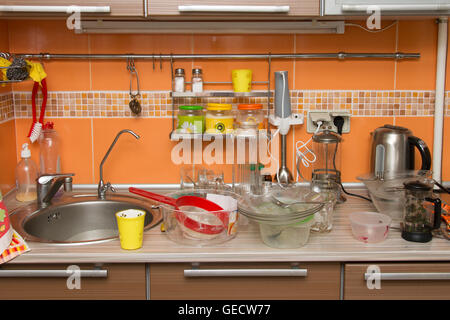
[417, 236]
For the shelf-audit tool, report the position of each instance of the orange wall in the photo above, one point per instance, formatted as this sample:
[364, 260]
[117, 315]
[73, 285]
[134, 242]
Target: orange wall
[148, 160]
[7, 130]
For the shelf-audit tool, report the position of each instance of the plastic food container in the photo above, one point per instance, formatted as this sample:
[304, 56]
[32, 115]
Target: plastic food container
[219, 118]
[197, 227]
[284, 216]
[370, 227]
[249, 116]
[191, 120]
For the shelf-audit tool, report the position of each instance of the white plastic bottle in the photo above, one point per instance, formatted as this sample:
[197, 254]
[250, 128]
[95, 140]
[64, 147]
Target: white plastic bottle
[26, 175]
[49, 159]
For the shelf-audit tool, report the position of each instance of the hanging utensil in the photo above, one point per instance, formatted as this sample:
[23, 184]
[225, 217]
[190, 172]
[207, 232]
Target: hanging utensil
[134, 104]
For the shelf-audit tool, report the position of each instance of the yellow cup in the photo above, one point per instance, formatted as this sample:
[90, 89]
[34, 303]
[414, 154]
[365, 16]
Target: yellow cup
[131, 228]
[242, 80]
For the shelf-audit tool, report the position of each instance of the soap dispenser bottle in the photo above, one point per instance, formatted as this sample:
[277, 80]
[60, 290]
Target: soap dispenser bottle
[26, 175]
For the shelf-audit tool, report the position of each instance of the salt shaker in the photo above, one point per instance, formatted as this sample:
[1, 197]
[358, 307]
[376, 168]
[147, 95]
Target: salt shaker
[197, 80]
[178, 80]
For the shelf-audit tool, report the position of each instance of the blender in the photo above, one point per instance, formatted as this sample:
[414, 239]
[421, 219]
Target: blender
[422, 212]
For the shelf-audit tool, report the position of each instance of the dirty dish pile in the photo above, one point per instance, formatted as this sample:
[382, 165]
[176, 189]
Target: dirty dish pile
[388, 193]
[197, 226]
[284, 216]
[370, 227]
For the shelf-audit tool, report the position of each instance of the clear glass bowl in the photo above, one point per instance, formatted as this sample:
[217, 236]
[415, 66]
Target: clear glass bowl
[197, 227]
[284, 215]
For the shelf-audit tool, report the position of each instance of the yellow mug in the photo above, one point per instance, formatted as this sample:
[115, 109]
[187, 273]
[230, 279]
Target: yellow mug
[242, 80]
[131, 228]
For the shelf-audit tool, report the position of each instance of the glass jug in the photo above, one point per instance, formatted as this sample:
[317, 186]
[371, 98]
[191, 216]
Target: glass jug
[421, 213]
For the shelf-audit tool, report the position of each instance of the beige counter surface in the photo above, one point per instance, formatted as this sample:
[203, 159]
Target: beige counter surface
[337, 245]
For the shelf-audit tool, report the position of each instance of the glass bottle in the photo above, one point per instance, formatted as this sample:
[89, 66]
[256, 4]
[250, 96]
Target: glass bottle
[197, 80]
[179, 81]
[50, 160]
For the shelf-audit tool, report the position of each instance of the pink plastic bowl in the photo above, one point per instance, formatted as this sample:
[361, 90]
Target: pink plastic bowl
[370, 227]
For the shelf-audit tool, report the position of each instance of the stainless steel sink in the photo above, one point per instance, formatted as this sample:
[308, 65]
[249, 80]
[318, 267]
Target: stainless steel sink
[79, 219]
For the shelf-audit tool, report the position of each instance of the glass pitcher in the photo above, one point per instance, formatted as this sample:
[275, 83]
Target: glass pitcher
[422, 212]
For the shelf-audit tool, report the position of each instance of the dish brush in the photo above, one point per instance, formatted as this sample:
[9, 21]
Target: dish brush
[36, 127]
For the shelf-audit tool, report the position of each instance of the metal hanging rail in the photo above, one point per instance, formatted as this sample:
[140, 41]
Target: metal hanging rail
[338, 55]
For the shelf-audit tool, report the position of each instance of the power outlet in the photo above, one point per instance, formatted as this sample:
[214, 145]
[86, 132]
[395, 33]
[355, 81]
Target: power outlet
[327, 118]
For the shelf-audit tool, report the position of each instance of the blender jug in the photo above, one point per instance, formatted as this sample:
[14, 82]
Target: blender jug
[422, 212]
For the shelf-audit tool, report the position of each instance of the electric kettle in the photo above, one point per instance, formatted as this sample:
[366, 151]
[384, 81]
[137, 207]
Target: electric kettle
[393, 151]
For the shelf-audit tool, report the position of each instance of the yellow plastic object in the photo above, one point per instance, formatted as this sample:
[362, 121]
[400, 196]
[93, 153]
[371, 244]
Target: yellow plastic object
[131, 228]
[37, 72]
[242, 80]
[219, 106]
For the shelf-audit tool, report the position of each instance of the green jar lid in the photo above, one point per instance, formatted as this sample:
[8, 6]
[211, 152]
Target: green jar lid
[191, 107]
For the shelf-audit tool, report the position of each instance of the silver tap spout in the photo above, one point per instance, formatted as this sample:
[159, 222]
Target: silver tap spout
[46, 190]
[102, 187]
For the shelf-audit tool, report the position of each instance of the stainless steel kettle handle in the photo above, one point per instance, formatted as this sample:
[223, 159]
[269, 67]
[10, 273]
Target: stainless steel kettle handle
[424, 152]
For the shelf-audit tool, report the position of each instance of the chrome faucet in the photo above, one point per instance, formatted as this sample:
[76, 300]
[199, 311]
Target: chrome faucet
[102, 187]
[49, 184]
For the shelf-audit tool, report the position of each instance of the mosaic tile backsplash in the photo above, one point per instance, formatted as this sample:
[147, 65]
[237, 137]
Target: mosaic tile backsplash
[159, 103]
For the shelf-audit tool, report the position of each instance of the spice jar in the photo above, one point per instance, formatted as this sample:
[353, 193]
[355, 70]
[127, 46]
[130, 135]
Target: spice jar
[219, 118]
[250, 116]
[197, 80]
[178, 80]
[191, 119]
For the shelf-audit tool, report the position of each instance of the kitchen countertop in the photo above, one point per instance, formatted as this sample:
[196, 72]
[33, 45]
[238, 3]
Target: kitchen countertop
[337, 245]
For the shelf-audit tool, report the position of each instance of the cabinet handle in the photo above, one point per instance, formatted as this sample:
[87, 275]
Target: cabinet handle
[51, 273]
[396, 7]
[195, 273]
[238, 9]
[56, 9]
[409, 276]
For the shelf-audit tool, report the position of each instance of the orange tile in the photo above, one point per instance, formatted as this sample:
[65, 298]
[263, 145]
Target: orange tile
[220, 70]
[346, 74]
[37, 36]
[418, 36]
[421, 127]
[113, 75]
[9, 161]
[76, 145]
[147, 160]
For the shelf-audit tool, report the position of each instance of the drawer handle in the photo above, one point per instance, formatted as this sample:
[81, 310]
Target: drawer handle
[56, 9]
[238, 9]
[396, 7]
[409, 276]
[51, 273]
[195, 273]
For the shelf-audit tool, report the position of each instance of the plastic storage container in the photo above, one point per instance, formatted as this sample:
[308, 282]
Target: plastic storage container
[370, 227]
[26, 175]
[49, 144]
[191, 119]
[250, 116]
[197, 227]
[219, 118]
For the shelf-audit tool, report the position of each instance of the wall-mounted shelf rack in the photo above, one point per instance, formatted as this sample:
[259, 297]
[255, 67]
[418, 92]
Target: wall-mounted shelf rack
[225, 94]
[158, 58]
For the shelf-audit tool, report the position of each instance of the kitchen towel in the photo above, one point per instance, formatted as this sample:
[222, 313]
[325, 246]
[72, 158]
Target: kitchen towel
[16, 248]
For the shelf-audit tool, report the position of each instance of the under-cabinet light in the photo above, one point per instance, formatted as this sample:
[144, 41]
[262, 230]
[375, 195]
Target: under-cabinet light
[216, 27]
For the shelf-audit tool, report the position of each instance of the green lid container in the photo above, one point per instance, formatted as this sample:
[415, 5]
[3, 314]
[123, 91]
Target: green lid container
[191, 107]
